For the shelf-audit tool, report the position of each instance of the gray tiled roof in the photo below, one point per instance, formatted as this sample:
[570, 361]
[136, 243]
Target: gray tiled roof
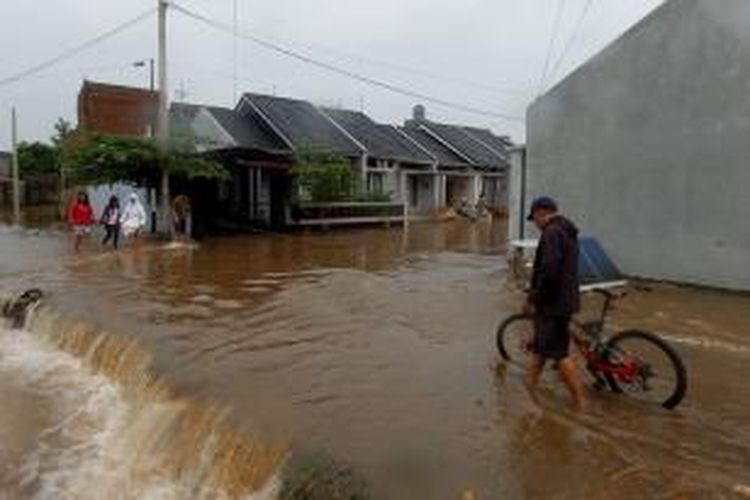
[481, 155]
[303, 124]
[499, 144]
[382, 141]
[445, 156]
[247, 131]
[224, 128]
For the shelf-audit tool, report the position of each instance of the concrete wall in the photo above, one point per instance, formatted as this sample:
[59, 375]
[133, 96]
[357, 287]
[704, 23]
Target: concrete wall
[647, 146]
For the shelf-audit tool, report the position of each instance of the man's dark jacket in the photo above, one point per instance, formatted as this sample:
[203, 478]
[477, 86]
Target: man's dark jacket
[554, 284]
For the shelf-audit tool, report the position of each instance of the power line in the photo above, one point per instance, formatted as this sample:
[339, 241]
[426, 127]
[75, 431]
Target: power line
[409, 70]
[341, 71]
[573, 36]
[552, 39]
[76, 50]
[358, 58]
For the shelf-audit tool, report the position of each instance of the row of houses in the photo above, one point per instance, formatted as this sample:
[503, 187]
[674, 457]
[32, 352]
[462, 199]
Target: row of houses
[423, 164]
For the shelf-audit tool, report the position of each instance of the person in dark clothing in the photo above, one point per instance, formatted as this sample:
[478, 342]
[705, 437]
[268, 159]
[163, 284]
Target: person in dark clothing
[554, 296]
[111, 221]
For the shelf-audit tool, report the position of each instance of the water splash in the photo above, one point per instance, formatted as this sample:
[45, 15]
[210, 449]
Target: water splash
[117, 430]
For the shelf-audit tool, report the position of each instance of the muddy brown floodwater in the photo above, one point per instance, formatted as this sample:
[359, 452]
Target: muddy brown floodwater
[376, 348]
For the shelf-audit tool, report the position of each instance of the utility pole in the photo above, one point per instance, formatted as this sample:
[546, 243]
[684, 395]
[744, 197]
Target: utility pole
[16, 182]
[162, 124]
[236, 51]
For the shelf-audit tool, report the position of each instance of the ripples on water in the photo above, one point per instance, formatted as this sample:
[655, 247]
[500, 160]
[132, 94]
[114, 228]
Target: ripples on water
[376, 347]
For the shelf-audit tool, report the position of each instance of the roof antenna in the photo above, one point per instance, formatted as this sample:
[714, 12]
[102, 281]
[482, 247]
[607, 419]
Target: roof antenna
[181, 94]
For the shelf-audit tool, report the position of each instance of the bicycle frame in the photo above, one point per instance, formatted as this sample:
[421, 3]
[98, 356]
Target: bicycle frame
[589, 340]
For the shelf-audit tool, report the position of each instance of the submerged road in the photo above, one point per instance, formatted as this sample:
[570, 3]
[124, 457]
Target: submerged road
[376, 348]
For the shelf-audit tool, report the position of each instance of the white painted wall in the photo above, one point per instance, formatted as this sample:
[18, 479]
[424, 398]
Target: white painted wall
[647, 146]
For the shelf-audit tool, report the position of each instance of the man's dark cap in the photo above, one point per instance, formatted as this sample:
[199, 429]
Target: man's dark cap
[542, 203]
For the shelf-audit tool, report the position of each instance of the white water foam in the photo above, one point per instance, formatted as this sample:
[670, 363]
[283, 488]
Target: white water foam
[97, 444]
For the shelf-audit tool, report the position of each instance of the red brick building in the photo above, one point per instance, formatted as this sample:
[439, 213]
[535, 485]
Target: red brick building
[117, 109]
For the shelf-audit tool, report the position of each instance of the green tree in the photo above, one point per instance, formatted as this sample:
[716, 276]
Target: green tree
[36, 158]
[63, 130]
[106, 159]
[325, 177]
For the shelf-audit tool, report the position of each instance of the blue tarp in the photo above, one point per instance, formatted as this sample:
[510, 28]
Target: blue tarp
[594, 265]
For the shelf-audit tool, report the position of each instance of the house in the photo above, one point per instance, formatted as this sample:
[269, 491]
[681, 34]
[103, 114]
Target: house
[471, 162]
[393, 163]
[646, 145]
[423, 164]
[117, 109]
[258, 160]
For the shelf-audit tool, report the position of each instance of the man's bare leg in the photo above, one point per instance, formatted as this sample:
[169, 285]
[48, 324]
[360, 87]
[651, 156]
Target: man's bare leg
[536, 365]
[569, 374]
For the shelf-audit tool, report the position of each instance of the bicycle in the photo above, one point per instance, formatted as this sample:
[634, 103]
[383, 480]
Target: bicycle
[633, 362]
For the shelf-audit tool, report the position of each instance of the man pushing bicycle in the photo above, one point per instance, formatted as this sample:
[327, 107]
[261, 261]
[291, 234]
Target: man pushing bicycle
[554, 297]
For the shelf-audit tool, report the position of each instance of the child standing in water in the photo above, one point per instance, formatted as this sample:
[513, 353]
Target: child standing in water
[111, 222]
[80, 218]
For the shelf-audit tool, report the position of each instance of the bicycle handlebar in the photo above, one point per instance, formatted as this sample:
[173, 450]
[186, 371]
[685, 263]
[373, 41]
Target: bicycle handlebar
[607, 293]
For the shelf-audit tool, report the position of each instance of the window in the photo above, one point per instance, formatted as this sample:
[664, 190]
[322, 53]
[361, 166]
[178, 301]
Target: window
[375, 182]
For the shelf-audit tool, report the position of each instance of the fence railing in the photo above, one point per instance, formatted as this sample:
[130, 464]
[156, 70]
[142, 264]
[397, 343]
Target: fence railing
[347, 214]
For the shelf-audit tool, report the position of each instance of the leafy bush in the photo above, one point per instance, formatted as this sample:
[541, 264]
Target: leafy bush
[37, 158]
[324, 177]
[105, 159]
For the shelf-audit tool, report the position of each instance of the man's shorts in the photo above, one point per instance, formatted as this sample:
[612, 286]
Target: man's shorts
[81, 230]
[551, 337]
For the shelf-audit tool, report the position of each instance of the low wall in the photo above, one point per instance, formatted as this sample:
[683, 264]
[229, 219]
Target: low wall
[347, 214]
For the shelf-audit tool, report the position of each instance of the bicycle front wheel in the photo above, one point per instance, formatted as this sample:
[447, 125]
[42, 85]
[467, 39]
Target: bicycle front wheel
[646, 367]
[513, 337]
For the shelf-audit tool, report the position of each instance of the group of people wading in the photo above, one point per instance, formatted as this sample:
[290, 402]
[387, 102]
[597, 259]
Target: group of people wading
[129, 220]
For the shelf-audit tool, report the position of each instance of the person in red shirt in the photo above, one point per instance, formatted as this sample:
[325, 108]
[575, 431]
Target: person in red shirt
[81, 218]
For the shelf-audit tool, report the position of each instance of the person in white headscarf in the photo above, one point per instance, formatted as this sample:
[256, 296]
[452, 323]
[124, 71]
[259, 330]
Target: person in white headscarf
[133, 218]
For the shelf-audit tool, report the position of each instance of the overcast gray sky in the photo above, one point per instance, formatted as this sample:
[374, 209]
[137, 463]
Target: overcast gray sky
[486, 54]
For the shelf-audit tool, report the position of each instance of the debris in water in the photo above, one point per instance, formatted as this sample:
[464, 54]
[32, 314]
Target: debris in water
[16, 308]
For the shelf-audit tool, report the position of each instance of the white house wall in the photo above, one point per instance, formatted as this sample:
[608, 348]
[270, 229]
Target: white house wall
[647, 146]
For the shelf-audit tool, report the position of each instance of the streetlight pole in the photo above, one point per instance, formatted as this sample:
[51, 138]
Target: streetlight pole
[142, 64]
[236, 52]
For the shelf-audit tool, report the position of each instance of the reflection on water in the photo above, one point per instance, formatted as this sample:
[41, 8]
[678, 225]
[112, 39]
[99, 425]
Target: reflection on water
[376, 346]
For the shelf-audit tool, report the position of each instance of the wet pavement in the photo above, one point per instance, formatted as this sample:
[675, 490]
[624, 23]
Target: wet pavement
[377, 348]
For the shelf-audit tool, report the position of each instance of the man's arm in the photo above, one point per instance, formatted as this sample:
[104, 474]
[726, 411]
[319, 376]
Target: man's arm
[550, 269]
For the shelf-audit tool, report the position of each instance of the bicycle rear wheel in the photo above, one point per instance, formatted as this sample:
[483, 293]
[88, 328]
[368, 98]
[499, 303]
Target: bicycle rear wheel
[513, 337]
[646, 367]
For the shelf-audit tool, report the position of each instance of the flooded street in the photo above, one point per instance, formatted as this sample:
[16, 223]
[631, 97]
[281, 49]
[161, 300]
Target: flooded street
[374, 347]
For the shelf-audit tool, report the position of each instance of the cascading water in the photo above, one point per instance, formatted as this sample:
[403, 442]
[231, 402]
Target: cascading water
[111, 429]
